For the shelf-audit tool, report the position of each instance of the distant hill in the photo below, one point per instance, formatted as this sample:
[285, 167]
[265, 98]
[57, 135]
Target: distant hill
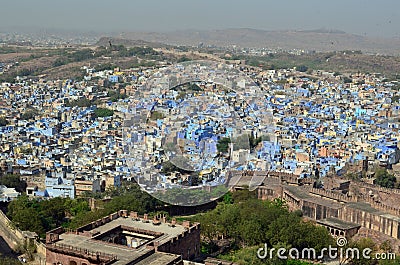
[105, 41]
[318, 40]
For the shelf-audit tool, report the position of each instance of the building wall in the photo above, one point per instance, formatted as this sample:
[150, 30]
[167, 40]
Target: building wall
[55, 258]
[382, 199]
[87, 185]
[187, 245]
[270, 193]
[317, 211]
[371, 221]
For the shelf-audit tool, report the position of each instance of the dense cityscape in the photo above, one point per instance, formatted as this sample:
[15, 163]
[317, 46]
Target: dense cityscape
[207, 146]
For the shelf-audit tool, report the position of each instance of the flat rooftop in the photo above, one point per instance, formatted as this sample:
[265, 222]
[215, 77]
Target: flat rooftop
[168, 231]
[306, 196]
[159, 258]
[123, 254]
[336, 223]
[126, 254]
[363, 206]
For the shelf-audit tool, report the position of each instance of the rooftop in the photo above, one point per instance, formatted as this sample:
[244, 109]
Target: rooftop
[336, 223]
[97, 238]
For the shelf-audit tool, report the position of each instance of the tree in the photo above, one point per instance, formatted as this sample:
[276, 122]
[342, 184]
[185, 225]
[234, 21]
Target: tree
[43, 215]
[83, 102]
[194, 87]
[29, 114]
[129, 197]
[228, 198]
[156, 115]
[168, 167]
[302, 68]
[248, 255]
[250, 222]
[3, 121]
[254, 141]
[384, 179]
[25, 72]
[223, 145]
[183, 59]
[395, 261]
[76, 206]
[103, 112]
[243, 195]
[28, 219]
[9, 261]
[179, 196]
[60, 62]
[395, 99]
[13, 181]
[361, 245]
[347, 80]
[116, 95]
[81, 55]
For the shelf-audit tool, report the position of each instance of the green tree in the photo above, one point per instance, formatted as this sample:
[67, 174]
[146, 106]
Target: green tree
[384, 179]
[395, 99]
[250, 222]
[13, 181]
[116, 95]
[361, 245]
[223, 145]
[183, 59]
[29, 114]
[9, 261]
[129, 197]
[254, 142]
[83, 102]
[25, 72]
[395, 261]
[302, 68]
[28, 219]
[228, 198]
[43, 215]
[168, 167]
[347, 80]
[156, 115]
[248, 255]
[81, 55]
[243, 195]
[76, 206]
[3, 121]
[60, 62]
[103, 112]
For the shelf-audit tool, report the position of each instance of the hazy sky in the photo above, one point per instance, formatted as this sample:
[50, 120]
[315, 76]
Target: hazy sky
[370, 17]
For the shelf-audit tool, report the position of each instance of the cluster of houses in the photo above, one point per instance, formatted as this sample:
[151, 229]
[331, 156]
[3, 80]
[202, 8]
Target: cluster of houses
[306, 125]
[183, 112]
[322, 126]
[59, 150]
